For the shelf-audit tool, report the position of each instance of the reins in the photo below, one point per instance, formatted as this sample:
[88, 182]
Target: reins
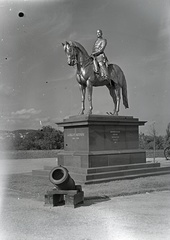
[86, 62]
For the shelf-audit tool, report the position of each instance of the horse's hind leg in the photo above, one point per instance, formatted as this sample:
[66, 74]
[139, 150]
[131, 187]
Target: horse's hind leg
[118, 98]
[113, 95]
[83, 93]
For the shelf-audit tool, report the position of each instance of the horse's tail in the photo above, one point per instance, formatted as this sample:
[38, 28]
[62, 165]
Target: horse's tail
[124, 91]
[119, 78]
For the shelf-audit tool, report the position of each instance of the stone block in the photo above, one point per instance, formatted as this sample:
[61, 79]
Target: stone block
[74, 200]
[57, 197]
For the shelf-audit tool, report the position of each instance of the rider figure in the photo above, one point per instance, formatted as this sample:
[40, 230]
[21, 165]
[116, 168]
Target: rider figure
[100, 59]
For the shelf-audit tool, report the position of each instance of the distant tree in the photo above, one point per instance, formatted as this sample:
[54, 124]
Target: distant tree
[146, 142]
[142, 141]
[167, 136]
[50, 138]
[159, 142]
[13, 142]
[28, 142]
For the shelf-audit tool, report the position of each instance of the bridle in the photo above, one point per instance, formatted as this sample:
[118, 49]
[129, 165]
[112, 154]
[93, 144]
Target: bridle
[74, 57]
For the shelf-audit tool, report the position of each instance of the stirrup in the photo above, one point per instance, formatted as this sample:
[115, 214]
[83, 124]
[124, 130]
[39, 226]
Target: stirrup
[105, 77]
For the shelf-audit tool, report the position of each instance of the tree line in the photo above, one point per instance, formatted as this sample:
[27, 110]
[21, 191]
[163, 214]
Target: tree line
[49, 138]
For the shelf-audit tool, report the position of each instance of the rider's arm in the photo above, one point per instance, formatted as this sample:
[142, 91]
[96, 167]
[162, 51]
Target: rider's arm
[100, 48]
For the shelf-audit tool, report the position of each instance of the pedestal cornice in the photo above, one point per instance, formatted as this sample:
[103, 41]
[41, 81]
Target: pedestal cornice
[86, 120]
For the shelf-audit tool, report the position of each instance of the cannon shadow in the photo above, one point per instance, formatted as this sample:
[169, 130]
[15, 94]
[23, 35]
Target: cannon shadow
[88, 201]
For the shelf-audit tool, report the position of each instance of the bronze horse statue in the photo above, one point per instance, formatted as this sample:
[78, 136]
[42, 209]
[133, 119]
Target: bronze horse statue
[87, 78]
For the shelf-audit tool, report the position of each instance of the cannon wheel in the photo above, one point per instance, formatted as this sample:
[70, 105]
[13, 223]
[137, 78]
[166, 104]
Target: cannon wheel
[167, 153]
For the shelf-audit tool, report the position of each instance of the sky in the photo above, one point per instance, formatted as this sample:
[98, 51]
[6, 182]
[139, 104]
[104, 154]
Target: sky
[38, 88]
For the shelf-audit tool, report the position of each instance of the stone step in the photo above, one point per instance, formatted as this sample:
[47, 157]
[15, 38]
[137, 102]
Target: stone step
[103, 176]
[80, 178]
[112, 168]
[96, 181]
[123, 167]
[125, 172]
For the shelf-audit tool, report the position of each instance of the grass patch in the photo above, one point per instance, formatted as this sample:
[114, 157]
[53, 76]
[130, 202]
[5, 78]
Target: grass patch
[35, 187]
[29, 154]
[32, 154]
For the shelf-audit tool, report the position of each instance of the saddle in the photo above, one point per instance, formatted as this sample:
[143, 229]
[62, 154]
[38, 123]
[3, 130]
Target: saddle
[112, 70]
[98, 69]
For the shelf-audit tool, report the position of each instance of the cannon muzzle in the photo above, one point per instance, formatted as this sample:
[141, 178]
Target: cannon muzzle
[60, 177]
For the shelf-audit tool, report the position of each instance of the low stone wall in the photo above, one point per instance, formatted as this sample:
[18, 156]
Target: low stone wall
[32, 154]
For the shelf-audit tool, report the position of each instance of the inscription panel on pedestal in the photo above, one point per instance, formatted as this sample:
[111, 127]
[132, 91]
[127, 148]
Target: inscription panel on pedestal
[103, 138]
[115, 138]
[115, 135]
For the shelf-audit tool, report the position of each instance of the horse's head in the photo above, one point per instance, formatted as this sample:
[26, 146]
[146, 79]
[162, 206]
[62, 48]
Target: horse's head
[71, 52]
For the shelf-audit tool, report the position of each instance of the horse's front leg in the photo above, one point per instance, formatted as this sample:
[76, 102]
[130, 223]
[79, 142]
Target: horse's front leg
[83, 93]
[90, 91]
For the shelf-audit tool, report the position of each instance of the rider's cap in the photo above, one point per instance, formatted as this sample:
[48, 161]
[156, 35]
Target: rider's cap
[99, 30]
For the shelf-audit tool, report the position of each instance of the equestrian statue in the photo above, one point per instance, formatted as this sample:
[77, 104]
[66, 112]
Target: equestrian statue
[94, 70]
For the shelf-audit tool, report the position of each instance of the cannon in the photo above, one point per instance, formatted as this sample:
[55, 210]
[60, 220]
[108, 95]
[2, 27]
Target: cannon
[65, 190]
[60, 177]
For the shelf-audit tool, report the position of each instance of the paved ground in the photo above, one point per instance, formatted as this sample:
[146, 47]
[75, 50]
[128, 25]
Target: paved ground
[137, 217]
[12, 166]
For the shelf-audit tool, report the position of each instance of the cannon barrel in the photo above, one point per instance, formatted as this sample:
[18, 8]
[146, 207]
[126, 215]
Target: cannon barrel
[60, 177]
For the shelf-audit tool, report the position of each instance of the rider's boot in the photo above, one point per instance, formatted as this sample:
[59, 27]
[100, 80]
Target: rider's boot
[106, 77]
[110, 81]
[96, 67]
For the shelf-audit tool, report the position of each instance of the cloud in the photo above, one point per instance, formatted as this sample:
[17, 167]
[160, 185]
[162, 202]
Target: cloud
[60, 27]
[6, 90]
[165, 29]
[45, 120]
[24, 118]
[160, 57]
[23, 114]
[48, 121]
[24, 111]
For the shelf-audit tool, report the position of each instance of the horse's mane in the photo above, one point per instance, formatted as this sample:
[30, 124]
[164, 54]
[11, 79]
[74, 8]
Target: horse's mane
[82, 49]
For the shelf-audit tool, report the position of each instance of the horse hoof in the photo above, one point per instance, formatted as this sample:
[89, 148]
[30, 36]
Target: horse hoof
[110, 113]
[81, 113]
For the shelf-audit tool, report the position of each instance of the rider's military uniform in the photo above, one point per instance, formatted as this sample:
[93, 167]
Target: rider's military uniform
[100, 57]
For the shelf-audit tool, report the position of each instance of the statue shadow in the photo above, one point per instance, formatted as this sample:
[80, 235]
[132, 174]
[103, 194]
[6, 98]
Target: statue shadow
[88, 201]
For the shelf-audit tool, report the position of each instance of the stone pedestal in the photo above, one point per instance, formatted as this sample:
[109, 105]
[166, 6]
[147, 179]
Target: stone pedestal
[95, 142]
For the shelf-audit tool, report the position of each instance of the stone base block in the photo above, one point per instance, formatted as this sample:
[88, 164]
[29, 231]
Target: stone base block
[70, 198]
[100, 159]
[98, 141]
